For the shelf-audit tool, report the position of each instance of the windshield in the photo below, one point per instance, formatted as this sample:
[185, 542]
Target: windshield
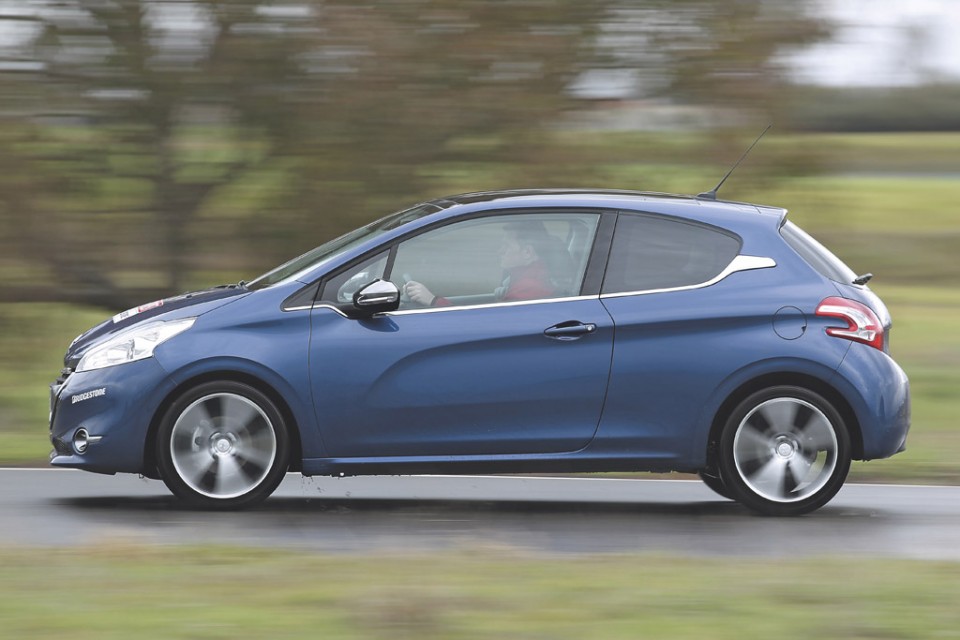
[330, 250]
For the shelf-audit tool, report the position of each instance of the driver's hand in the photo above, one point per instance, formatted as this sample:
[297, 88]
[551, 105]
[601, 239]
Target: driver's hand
[418, 293]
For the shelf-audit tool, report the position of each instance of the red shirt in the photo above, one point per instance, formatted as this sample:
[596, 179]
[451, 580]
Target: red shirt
[530, 282]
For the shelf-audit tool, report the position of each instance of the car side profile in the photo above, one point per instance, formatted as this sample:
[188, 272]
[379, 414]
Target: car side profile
[505, 332]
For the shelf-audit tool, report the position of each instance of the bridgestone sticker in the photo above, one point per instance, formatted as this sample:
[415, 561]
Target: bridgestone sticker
[80, 397]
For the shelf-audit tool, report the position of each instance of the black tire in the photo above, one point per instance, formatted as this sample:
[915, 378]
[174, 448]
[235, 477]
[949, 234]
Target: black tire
[222, 445]
[784, 451]
[713, 480]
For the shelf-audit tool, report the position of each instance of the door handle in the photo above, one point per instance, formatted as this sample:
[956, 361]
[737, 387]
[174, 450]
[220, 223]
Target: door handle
[569, 330]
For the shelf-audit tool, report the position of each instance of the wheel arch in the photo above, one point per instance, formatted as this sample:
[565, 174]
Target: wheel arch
[289, 419]
[809, 382]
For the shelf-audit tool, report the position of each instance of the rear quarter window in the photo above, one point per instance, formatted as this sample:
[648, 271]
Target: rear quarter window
[816, 255]
[651, 252]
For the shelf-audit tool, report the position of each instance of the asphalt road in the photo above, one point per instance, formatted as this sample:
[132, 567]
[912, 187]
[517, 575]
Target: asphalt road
[41, 507]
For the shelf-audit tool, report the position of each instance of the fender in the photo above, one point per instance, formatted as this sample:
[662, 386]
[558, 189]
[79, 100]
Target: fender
[739, 378]
[300, 405]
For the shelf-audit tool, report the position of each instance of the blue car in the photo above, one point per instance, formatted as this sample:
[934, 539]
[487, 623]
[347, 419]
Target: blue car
[505, 332]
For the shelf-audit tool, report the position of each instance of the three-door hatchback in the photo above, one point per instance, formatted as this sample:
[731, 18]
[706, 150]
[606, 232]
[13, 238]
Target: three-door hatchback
[519, 331]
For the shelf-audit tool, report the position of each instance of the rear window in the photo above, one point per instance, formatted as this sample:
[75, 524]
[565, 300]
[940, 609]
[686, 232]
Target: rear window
[651, 253]
[817, 255]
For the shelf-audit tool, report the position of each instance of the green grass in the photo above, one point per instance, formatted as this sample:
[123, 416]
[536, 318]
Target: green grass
[887, 153]
[917, 153]
[121, 591]
[33, 338]
[925, 342]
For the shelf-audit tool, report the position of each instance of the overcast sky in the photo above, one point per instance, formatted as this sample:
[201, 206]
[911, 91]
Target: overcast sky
[881, 42]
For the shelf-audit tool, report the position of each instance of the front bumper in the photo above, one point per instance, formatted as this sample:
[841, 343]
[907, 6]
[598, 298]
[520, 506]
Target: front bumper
[115, 406]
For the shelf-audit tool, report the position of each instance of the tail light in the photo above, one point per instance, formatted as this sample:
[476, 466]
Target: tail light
[862, 324]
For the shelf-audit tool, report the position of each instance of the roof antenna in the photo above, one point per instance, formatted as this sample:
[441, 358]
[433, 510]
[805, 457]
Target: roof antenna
[712, 194]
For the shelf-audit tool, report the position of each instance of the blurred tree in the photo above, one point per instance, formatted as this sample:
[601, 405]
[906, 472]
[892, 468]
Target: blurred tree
[146, 129]
[150, 145]
[731, 56]
[136, 112]
[734, 54]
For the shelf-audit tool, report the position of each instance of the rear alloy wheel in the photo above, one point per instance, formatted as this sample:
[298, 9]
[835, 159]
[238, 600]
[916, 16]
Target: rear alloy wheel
[222, 445]
[784, 451]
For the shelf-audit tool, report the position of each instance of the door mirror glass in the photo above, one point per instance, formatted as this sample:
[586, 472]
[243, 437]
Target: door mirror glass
[340, 289]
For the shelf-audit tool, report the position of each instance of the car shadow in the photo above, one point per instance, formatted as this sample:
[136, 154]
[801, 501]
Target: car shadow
[318, 505]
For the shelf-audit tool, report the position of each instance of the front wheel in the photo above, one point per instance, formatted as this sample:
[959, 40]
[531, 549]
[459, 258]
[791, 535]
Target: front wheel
[784, 451]
[222, 445]
[713, 480]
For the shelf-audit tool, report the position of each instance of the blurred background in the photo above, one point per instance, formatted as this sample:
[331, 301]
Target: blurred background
[149, 147]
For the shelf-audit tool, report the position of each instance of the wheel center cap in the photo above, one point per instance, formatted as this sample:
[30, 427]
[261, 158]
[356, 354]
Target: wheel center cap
[222, 445]
[785, 450]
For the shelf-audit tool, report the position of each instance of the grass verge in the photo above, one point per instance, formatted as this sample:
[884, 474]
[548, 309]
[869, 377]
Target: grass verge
[122, 591]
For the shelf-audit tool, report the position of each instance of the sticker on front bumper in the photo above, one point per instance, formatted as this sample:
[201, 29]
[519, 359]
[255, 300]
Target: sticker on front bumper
[86, 395]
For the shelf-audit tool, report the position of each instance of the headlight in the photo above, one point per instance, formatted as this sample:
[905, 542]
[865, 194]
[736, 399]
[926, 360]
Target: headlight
[132, 345]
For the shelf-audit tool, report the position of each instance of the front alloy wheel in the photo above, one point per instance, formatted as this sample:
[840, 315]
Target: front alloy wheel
[222, 445]
[784, 451]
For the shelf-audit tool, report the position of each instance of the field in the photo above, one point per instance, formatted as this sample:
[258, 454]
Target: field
[887, 205]
[120, 590]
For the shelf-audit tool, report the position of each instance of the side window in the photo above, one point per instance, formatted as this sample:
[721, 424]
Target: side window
[504, 258]
[651, 253]
[340, 288]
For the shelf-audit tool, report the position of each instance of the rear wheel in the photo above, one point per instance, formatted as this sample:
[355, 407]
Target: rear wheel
[222, 445]
[784, 451]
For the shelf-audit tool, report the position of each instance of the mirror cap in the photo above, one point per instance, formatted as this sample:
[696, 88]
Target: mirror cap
[379, 296]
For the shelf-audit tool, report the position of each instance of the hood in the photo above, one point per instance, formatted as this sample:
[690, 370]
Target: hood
[198, 302]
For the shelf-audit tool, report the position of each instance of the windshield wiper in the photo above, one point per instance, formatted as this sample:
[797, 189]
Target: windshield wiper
[240, 285]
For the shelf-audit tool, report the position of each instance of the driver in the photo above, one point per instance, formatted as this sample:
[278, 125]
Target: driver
[526, 276]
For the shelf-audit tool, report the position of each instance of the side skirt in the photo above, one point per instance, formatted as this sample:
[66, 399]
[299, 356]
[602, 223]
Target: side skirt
[488, 465]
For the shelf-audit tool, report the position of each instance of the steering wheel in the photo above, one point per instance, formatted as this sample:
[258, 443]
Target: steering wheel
[406, 300]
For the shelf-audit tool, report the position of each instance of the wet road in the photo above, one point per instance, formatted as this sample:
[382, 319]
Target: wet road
[535, 515]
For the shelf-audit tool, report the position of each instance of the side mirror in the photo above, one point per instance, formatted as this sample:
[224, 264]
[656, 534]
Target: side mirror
[379, 296]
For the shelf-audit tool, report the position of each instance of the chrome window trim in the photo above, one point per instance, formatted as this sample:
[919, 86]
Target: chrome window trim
[491, 305]
[327, 305]
[738, 264]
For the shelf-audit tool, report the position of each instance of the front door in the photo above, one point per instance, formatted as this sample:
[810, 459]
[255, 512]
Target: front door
[494, 351]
